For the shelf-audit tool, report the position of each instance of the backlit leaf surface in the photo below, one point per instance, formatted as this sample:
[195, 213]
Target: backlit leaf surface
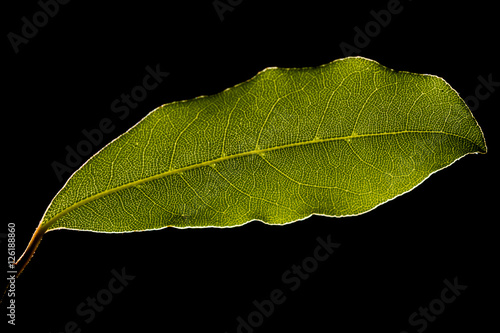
[336, 140]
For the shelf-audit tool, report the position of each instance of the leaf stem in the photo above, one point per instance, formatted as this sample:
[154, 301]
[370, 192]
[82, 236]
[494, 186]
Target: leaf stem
[30, 250]
[23, 261]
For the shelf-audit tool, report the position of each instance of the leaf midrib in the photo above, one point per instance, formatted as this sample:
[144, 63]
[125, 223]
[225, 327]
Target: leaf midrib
[67, 210]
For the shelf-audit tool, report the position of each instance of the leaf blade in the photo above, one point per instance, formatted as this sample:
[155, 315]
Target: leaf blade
[189, 163]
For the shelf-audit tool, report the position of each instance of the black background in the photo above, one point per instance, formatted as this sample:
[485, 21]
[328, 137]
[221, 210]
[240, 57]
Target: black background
[391, 261]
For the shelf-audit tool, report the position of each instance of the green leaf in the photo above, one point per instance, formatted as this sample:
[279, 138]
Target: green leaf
[335, 140]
